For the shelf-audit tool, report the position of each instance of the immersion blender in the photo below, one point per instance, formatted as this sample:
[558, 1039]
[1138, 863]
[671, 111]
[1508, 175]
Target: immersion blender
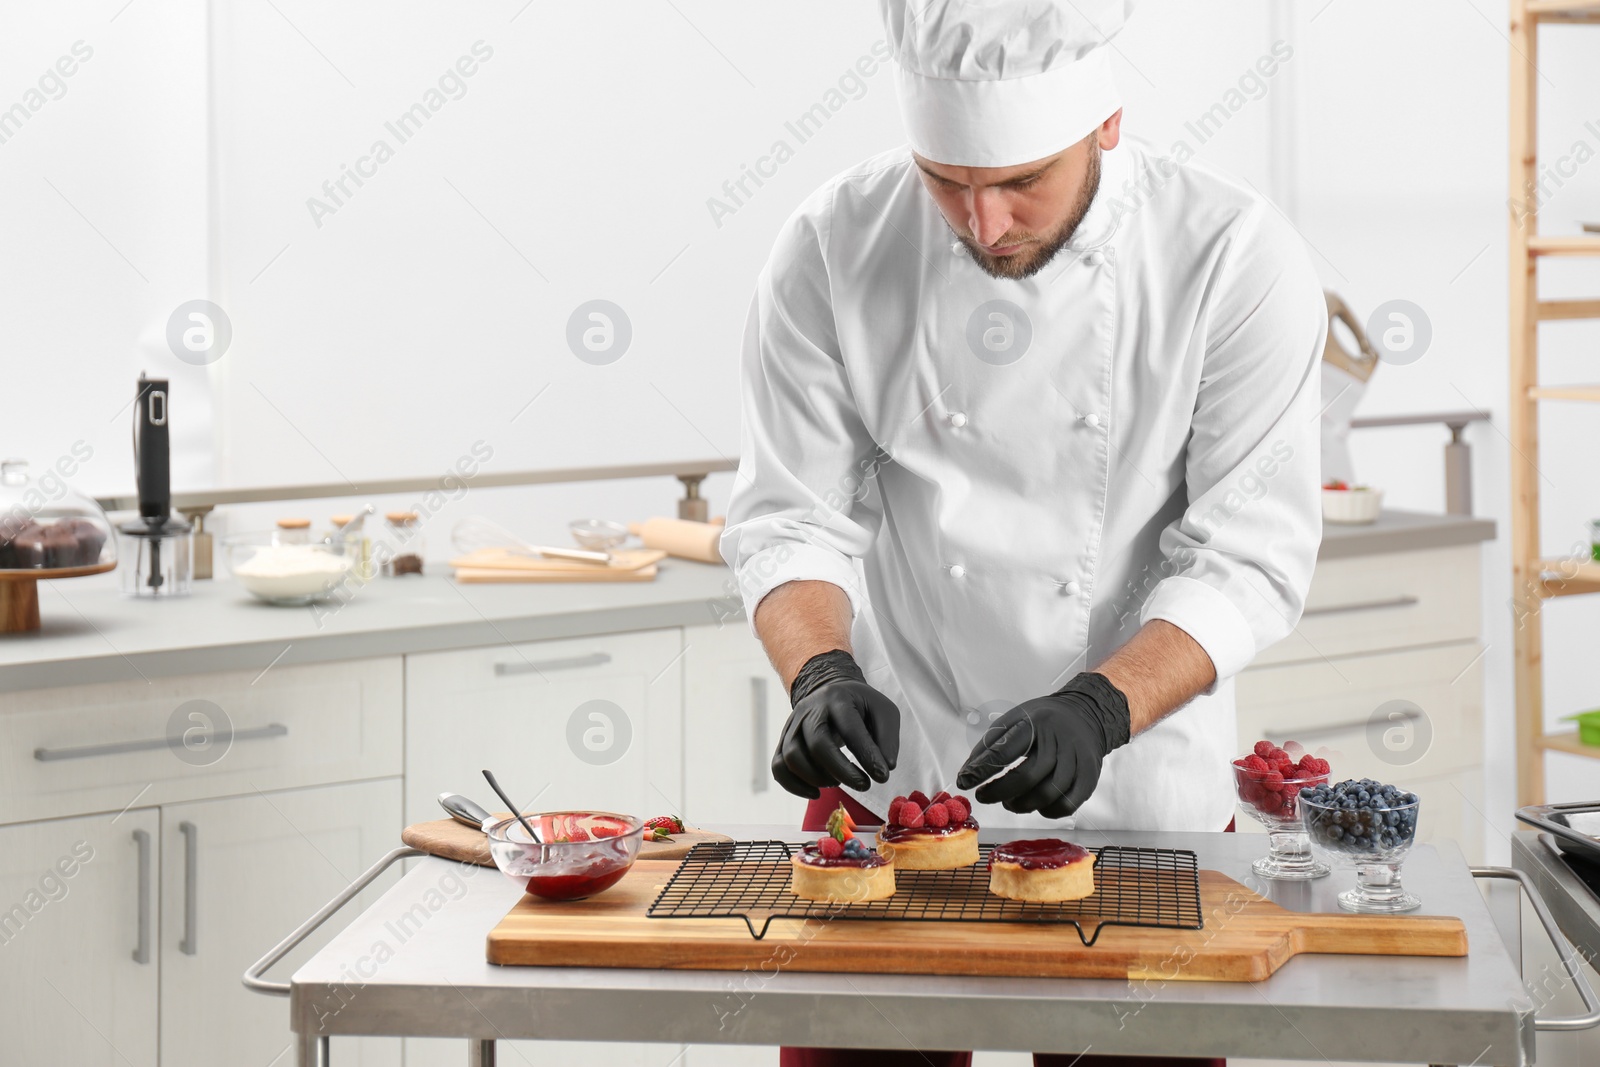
[162, 563]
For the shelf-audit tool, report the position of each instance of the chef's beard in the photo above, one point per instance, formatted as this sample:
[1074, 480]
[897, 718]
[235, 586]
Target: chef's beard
[1028, 263]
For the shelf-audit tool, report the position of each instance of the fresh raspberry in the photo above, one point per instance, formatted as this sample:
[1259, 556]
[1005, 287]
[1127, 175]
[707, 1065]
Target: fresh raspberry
[1284, 767]
[940, 797]
[894, 810]
[1272, 782]
[937, 815]
[1264, 748]
[831, 848]
[919, 798]
[960, 809]
[1294, 748]
[1277, 755]
[1323, 766]
[1254, 763]
[911, 815]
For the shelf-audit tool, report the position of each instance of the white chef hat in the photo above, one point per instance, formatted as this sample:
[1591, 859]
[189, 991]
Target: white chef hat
[995, 83]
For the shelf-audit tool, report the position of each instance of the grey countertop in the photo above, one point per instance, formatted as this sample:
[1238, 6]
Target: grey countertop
[1316, 1007]
[92, 634]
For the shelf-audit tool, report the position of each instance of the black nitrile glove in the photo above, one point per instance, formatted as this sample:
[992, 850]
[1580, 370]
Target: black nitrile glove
[1062, 739]
[835, 708]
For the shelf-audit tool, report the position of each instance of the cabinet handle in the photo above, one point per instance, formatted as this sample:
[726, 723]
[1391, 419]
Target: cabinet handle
[1364, 605]
[191, 866]
[148, 744]
[141, 950]
[592, 659]
[1337, 728]
[760, 768]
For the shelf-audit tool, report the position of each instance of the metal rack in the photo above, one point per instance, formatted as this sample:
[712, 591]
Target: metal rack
[749, 880]
[1536, 578]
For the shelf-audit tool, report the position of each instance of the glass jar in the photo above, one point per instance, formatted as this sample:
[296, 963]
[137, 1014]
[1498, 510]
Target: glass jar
[292, 532]
[349, 539]
[404, 545]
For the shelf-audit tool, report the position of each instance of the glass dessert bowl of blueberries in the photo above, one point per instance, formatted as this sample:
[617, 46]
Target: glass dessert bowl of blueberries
[1369, 826]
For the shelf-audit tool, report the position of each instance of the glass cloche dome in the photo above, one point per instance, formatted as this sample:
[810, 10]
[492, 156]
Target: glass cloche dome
[46, 525]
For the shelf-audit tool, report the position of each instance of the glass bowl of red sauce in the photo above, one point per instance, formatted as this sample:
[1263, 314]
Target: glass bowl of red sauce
[579, 854]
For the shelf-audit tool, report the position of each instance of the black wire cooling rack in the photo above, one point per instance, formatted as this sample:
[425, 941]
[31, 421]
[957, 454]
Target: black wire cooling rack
[749, 880]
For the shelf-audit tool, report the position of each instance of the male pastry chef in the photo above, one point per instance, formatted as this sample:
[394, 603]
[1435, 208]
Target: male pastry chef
[1029, 464]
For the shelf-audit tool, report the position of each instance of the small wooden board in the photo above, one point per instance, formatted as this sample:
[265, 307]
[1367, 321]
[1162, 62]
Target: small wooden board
[501, 559]
[456, 841]
[1246, 938]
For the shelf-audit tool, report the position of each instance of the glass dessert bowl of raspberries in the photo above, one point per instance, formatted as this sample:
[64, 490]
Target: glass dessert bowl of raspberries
[1370, 826]
[1268, 782]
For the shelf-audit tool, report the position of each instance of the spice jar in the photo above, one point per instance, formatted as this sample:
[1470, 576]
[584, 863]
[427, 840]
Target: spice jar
[405, 547]
[292, 532]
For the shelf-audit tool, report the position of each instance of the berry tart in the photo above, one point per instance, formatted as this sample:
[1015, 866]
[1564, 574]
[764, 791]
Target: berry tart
[925, 833]
[840, 867]
[1042, 869]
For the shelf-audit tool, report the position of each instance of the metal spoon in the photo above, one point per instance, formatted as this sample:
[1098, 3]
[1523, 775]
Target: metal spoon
[463, 810]
[501, 793]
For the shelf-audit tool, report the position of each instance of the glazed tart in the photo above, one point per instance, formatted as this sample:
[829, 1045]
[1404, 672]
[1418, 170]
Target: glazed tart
[1046, 870]
[930, 834]
[840, 867]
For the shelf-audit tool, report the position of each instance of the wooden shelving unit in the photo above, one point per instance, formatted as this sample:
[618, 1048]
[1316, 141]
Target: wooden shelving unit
[1535, 578]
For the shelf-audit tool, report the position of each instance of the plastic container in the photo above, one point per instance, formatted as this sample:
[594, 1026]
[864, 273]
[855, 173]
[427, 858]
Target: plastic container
[582, 852]
[1588, 726]
[158, 557]
[404, 548]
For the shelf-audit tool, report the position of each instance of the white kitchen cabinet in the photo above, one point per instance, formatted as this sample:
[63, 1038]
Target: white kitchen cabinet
[734, 708]
[237, 875]
[79, 941]
[88, 748]
[593, 722]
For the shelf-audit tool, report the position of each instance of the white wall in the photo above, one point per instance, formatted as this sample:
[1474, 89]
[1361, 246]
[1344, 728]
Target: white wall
[430, 308]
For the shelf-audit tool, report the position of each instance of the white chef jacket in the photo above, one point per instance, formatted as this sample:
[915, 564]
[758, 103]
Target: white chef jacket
[1003, 521]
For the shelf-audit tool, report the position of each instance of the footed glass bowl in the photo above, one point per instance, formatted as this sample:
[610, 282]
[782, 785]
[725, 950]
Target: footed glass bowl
[580, 853]
[1374, 840]
[1273, 801]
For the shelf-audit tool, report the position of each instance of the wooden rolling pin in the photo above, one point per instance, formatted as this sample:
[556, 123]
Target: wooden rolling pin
[683, 538]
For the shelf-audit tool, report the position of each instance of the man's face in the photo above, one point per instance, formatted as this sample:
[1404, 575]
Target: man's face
[1013, 220]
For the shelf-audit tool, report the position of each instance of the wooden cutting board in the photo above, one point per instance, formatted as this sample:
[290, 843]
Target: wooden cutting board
[593, 573]
[456, 841]
[500, 559]
[1246, 938]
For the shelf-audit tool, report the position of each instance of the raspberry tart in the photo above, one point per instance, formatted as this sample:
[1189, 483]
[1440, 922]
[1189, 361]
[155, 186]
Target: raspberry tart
[925, 833]
[1041, 869]
[840, 868]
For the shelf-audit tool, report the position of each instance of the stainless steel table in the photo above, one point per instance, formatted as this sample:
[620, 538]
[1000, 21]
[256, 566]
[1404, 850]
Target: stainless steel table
[413, 965]
[1575, 907]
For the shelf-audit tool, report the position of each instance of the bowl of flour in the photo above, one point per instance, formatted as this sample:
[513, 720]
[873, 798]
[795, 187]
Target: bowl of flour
[288, 574]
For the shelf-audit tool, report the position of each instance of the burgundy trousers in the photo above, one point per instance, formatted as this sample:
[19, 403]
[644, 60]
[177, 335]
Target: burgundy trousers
[816, 819]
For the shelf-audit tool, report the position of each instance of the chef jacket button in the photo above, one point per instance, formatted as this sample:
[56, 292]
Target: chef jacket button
[1071, 588]
[957, 419]
[956, 247]
[957, 571]
[1093, 257]
[1092, 421]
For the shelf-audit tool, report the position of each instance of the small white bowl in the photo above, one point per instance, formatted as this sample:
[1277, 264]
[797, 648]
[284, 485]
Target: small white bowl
[1352, 507]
